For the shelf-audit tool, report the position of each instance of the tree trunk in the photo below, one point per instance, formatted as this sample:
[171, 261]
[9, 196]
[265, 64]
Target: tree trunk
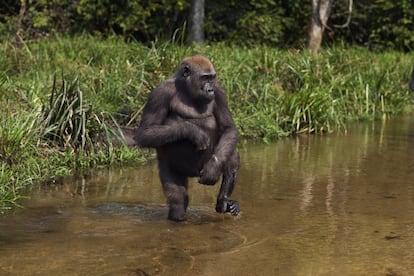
[20, 17]
[321, 10]
[196, 22]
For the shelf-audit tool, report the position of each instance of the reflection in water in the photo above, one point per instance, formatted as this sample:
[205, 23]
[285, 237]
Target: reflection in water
[311, 205]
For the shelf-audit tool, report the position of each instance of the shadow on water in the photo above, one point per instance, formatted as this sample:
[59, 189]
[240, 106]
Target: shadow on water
[340, 204]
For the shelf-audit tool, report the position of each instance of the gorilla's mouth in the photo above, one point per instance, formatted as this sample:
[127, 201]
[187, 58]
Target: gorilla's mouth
[209, 95]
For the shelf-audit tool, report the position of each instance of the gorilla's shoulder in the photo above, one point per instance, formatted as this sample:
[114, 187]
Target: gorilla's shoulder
[166, 84]
[165, 88]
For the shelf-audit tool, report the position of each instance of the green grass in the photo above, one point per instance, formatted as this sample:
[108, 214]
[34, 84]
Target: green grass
[62, 100]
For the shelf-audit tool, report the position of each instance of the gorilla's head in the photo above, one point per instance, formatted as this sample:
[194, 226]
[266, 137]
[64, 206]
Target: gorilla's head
[199, 76]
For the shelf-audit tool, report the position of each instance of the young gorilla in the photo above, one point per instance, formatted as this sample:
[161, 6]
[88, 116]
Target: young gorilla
[187, 120]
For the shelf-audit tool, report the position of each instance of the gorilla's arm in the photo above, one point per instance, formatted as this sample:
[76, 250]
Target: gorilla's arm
[226, 146]
[153, 132]
[227, 129]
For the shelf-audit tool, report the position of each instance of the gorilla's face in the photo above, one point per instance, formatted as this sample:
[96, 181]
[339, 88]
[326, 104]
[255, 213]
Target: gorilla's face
[206, 82]
[200, 78]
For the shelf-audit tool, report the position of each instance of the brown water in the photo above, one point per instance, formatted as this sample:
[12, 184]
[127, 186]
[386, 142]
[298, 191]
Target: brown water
[312, 205]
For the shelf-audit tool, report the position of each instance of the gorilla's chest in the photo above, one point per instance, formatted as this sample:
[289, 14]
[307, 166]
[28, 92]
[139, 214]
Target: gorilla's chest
[200, 115]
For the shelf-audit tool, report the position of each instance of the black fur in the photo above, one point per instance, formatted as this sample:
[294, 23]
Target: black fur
[187, 120]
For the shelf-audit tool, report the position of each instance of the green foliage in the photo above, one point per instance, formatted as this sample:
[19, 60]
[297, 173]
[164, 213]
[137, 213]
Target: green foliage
[142, 20]
[69, 121]
[10, 187]
[378, 24]
[248, 22]
[50, 127]
[395, 25]
[277, 93]
[17, 150]
[16, 136]
[66, 117]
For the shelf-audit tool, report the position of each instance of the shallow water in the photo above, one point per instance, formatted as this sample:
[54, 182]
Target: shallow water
[340, 204]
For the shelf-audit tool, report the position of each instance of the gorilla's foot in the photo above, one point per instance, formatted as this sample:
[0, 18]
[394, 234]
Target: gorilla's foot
[177, 215]
[228, 206]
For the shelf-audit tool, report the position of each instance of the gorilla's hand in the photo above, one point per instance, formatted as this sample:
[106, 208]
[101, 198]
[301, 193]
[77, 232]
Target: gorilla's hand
[228, 206]
[197, 136]
[210, 172]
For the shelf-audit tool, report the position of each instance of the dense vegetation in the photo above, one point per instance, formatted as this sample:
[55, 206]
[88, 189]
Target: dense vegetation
[63, 99]
[376, 24]
[74, 73]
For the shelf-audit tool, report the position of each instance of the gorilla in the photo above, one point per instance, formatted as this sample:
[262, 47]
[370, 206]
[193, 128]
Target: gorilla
[411, 83]
[187, 120]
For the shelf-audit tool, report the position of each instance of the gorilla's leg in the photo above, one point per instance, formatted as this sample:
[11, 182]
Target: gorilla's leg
[175, 189]
[224, 203]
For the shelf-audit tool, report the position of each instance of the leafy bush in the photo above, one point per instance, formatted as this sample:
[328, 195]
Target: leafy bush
[378, 24]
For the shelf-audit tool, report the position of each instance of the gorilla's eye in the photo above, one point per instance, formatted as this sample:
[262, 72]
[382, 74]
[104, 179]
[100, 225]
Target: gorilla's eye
[208, 77]
[187, 71]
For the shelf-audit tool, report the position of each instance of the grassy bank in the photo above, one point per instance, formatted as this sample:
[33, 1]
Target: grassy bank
[62, 100]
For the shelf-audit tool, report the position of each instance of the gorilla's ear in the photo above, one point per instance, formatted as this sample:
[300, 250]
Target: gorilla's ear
[186, 71]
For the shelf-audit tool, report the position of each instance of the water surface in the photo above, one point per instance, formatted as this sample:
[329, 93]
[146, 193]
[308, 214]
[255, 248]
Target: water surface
[340, 204]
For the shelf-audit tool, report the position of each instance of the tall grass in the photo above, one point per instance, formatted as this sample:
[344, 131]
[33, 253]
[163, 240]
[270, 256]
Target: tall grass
[51, 127]
[17, 151]
[277, 93]
[69, 121]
